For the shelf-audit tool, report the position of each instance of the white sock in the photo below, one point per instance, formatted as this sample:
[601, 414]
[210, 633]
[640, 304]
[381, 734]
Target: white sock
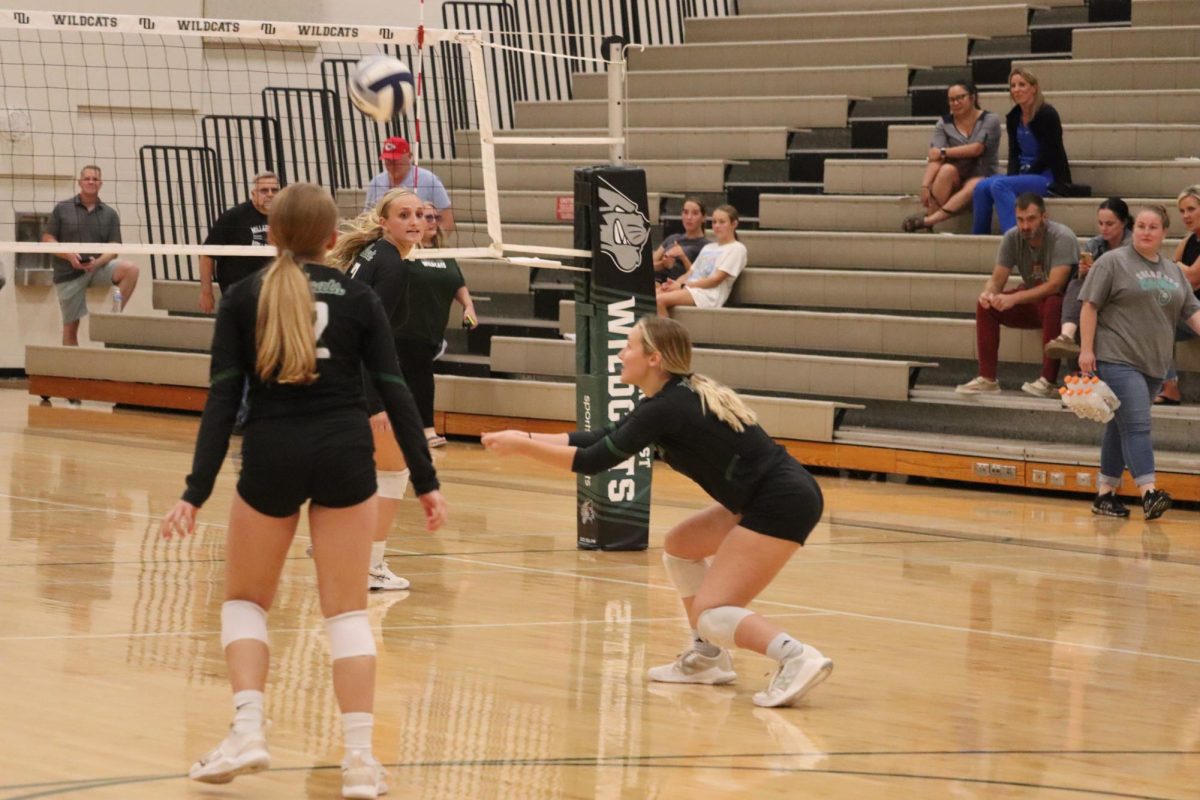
[705, 648]
[783, 647]
[377, 549]
[357, 727]
[247, 711]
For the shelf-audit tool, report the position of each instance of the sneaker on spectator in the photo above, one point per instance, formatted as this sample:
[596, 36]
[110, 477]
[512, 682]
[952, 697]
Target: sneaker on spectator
[1062, 347]
[980, 385]
[1109, 505]
[1155, 503]
[1040, 388]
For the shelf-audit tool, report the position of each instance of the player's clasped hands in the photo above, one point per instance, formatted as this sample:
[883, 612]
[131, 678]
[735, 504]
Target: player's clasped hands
[180, 520]
[504, 443]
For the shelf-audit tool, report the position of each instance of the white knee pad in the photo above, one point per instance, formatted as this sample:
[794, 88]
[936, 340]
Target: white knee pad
[685, 574]
[717, 625]
[350, 635]
[392, 484]
[241, 619]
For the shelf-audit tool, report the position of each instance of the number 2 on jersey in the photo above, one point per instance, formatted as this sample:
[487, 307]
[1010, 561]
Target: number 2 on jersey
[322, 322]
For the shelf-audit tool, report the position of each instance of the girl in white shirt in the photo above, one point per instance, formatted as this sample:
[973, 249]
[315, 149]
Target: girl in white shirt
[709, 282]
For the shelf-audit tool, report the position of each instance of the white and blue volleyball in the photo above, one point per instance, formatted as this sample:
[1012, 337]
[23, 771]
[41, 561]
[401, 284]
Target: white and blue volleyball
[382, 87]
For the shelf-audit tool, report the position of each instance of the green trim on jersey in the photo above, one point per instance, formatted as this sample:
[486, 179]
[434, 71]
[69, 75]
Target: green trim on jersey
[224, 375]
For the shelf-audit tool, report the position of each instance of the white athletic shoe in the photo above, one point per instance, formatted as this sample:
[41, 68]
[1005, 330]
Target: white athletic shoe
[794, 679]
[237, 754]
[979, 385]
[363, 777]
[692, 666]
[380, 578]
[1040, 388]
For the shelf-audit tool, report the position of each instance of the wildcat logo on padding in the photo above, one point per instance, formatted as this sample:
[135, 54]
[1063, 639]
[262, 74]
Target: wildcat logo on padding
[624, 229]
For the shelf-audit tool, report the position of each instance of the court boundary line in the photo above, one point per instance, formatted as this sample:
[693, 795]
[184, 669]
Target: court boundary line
[59, 788]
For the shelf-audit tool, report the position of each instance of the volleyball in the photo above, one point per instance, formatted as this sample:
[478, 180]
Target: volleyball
[381, 87]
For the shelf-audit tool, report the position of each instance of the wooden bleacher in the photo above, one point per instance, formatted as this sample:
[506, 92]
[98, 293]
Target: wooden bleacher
[836, 304]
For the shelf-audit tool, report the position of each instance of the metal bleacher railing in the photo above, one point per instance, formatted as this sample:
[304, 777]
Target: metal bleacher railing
[315, 134]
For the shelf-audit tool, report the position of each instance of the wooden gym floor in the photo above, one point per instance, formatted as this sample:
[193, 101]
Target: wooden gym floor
[987, 645]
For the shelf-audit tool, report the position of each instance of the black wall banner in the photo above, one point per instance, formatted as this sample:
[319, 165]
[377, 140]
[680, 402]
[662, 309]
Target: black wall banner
[611, 220]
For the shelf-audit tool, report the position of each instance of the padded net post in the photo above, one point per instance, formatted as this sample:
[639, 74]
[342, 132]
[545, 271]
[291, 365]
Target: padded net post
[611, 221]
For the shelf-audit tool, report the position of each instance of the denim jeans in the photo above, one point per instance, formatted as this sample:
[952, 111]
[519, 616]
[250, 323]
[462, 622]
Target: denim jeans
[1071, 304]
[1000, 192]
[1127, 442]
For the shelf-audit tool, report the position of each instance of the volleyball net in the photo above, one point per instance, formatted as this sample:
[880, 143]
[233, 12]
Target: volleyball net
[180, 114]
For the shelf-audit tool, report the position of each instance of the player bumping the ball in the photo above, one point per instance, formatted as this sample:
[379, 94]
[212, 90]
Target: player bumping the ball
[723, 557]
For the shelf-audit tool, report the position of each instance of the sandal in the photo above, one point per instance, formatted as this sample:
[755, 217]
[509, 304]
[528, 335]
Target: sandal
[435, 441]
[1163, 400]
[915, 223]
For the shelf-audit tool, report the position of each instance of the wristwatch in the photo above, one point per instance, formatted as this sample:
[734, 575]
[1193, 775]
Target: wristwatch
[943, 152]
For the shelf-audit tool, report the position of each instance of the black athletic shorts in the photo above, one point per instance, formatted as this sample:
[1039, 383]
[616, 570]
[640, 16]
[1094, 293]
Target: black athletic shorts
[290, 460]
[787, 504]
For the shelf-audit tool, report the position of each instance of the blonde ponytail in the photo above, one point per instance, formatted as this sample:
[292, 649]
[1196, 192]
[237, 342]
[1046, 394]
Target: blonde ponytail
[286, 339]
[670, 340]
[724, 403]
[302, 220]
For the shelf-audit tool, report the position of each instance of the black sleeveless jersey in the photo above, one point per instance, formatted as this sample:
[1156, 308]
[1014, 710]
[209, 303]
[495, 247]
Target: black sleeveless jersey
[352, 334]
[416, 292]
[726, 464]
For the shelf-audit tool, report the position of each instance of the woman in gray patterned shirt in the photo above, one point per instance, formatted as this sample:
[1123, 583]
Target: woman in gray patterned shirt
[963, 152]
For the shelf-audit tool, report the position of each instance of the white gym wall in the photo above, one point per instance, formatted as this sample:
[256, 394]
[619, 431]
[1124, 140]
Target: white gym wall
[29, 314]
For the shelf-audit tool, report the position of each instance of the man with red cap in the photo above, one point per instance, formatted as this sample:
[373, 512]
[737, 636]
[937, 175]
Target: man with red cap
[398, 171]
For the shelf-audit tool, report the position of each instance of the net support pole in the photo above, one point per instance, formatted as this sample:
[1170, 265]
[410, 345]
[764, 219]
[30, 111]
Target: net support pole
[616, 100]
[611, 222]
[487, 145]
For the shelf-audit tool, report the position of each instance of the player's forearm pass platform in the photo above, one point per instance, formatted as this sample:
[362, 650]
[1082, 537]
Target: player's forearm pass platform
[611, 220]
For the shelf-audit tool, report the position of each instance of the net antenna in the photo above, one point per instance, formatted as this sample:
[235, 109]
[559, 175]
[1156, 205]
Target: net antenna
[157, 109]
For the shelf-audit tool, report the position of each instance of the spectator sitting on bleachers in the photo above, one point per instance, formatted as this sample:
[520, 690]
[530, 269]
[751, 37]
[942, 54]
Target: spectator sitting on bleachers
[1133, 299]
[709, 282]
[398, 172]
[85, 218]
[961, 154]
[1187, 255]
[1036, 156]
[1114, 224]
[1044, 253]
[675, 255]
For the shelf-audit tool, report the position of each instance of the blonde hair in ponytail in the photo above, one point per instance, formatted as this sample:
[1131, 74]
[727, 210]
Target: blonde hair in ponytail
[670, 340]
[301, 220]
[363, 229]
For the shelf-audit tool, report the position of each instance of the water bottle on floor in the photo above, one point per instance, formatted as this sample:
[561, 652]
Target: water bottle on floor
[116, 300]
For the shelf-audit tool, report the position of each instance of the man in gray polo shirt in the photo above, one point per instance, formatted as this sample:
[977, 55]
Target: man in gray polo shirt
[1045, 253]
[84, 218]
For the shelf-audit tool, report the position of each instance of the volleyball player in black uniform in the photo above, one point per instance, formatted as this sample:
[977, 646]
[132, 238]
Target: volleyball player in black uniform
[302, 332]
[380, 249]
[723, 557]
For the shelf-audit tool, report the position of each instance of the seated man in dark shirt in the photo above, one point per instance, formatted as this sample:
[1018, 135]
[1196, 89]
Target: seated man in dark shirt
[244, 224]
